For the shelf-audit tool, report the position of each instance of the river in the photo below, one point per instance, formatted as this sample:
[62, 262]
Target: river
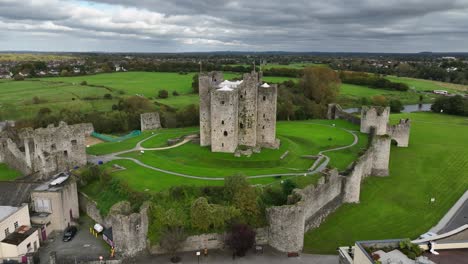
[408, 108]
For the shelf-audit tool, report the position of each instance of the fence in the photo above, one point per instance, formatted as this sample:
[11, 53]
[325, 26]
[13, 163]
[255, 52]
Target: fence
[108, 138]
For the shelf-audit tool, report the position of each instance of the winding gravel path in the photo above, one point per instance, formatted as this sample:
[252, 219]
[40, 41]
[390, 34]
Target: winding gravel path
[138, 147]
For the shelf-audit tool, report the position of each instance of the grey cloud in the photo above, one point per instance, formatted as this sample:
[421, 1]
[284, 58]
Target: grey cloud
[178, 25]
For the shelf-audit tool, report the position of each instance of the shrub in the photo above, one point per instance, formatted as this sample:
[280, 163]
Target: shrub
[84, 83]
[175, 93]
[18, 77]
[396, 106]
[163, 94]
[241, 239]
[108, 96]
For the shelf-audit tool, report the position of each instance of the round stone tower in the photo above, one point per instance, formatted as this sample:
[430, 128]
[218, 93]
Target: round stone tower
[374, 118]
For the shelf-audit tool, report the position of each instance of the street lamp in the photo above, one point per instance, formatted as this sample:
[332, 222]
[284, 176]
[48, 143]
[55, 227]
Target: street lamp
[198, 256]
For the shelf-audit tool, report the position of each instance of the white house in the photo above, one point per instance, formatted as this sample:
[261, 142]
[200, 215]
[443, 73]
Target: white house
[16, 234]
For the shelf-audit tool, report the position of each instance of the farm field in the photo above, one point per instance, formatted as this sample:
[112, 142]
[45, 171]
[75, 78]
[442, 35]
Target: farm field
[398, 206]
[425, 85]
[57, 93]
[33, 57]
[8, 174]
[307, 138]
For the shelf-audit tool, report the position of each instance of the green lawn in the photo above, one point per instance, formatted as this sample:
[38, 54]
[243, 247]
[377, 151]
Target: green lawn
[8, 174]
[434, 165]
[299, 138]
[158, 141]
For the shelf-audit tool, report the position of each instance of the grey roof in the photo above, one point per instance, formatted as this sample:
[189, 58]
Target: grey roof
[6, 211]
[15, 193]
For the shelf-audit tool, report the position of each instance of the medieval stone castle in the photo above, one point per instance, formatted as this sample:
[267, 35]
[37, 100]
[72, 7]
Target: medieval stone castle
[237, 113]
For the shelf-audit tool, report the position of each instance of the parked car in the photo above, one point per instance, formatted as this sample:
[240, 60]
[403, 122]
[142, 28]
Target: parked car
[69, 233]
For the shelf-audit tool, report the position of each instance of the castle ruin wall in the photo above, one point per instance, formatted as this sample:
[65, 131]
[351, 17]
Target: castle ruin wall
[150, 121]
[400, 132]
[374, 119]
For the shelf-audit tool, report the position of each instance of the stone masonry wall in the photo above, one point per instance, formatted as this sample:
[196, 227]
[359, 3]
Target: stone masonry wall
[224, 127]
[400, 132]
[46, 151]
[248, 110]
[288, 222]
[336, 112]
[129, 230]
[150, 121]
[206, 82]
[266, 121]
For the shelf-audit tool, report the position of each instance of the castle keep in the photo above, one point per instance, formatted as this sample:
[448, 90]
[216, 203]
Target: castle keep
[237, 113]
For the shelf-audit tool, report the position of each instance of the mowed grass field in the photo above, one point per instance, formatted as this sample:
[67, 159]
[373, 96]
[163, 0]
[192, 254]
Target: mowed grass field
[299, 138]
[435, 165]
[7, 173]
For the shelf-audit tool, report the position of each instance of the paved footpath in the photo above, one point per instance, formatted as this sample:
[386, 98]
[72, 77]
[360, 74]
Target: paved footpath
[225, 256]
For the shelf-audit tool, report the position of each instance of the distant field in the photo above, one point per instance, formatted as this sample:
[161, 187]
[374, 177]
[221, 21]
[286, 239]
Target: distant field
[67, 93]
[33, 57]
[425, 85]
[8, 174]
[435, 165]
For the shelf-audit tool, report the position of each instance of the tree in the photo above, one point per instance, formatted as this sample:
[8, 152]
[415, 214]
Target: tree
[195, 83]
[163, 94]
[234, 184]
[320, 84]
[171, 240]
[379, 100]
[199, 213]
[396, 106]
[245, 200]
[241, 239]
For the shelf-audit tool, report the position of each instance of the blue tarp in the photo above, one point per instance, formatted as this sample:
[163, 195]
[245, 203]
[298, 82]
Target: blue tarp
[107, 138]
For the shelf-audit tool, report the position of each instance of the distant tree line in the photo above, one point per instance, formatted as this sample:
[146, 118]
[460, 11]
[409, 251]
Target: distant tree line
[124, 116]
[371, 80]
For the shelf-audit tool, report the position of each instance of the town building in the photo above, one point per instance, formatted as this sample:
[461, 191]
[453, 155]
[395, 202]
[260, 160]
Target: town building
[55, 204]
[18, 238]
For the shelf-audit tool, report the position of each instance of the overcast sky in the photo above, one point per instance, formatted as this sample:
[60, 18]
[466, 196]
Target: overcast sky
[242, 25]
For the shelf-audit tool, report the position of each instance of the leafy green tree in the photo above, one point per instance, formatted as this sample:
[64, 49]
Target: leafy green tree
[234, 184]
[199, 214]
[320, 84]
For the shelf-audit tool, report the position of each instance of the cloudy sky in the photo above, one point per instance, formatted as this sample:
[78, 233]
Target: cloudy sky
[241, 25]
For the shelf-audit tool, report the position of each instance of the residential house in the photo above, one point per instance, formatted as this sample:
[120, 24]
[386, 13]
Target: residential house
[17, 236]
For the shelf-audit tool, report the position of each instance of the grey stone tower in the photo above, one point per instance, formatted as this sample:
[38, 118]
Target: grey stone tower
[237, 113]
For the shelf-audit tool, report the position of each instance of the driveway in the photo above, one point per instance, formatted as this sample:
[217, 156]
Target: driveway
[225, 256]
[82, 246]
